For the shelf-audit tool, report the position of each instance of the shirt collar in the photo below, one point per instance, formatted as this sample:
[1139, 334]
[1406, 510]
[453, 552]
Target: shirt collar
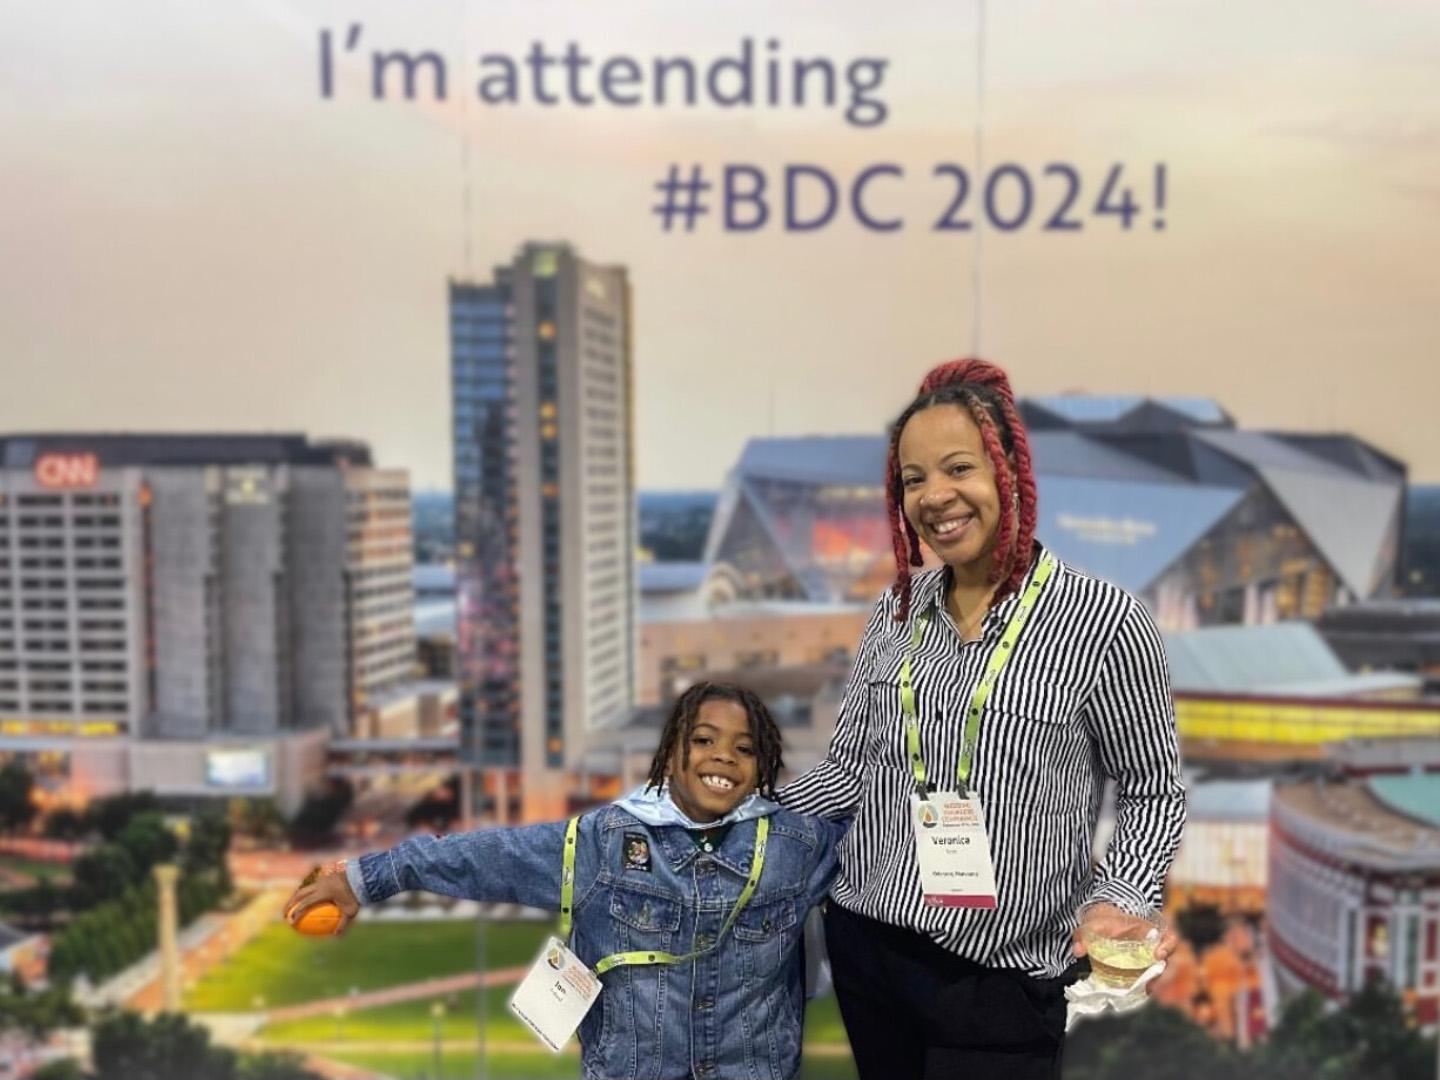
[929, 590]
[734, 852]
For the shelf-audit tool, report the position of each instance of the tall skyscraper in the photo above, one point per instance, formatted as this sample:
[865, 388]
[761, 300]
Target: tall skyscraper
[545, 511]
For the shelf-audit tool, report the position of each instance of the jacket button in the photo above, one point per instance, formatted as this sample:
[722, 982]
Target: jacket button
[704, 941]
[705, 1003]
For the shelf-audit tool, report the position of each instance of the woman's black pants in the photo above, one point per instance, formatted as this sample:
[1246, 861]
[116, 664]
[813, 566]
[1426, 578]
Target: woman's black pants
[915, 1011]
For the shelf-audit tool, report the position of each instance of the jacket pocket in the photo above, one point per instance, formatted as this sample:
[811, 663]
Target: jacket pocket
[644, 918]
[766, 932]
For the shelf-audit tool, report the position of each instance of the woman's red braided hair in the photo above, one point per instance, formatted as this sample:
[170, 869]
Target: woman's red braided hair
[984, 390]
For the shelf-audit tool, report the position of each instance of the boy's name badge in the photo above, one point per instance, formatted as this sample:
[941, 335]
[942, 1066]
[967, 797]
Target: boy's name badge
[555, 994]
[953, 850]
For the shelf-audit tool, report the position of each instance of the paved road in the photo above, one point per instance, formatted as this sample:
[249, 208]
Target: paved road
[391, 994]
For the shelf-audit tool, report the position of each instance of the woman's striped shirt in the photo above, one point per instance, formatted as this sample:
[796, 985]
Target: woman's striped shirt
[1085, 696]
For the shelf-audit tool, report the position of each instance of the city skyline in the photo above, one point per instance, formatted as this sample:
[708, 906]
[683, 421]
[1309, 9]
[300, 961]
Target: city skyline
[203, 248]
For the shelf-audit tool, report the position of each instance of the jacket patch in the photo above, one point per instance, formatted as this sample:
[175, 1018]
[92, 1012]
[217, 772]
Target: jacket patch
[637, 852]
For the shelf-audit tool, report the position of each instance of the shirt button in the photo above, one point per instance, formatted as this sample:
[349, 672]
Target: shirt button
[705, 1003]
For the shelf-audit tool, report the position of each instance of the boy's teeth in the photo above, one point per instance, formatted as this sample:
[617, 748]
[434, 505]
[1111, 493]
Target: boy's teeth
[717, 782]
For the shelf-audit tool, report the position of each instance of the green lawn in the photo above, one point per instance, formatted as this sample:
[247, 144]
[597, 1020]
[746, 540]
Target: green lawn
[286, 968]
[410, 1021]
[541, 1066]
[57, 872]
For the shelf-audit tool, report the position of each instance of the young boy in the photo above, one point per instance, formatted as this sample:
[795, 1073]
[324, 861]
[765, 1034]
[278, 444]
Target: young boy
[661, 871]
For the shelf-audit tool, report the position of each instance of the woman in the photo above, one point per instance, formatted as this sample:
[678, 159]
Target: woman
[990, 700]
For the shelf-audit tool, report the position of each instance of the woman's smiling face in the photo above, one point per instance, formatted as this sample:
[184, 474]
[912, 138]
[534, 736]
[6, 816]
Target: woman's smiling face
[951, 498]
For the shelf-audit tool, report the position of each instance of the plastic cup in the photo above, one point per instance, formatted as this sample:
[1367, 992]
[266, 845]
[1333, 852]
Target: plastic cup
[1119, 956]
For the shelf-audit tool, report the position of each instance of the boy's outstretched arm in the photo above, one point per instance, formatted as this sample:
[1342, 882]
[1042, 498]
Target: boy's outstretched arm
[520, 865]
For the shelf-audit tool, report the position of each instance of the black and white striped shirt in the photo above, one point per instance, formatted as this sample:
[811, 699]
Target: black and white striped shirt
[1085, 696]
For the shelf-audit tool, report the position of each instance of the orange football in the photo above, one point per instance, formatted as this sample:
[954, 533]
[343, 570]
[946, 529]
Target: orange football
[322, 920]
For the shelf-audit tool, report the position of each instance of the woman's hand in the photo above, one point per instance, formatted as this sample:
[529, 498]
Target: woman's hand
[1107, 920]
[334, 887]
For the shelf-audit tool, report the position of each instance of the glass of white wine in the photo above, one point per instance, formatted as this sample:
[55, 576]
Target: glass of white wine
[1120, 951]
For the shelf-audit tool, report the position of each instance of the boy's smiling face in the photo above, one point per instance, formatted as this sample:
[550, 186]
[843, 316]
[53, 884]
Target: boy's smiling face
[722, 770]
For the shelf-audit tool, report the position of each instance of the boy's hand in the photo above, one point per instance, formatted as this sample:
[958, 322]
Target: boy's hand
[316, 889]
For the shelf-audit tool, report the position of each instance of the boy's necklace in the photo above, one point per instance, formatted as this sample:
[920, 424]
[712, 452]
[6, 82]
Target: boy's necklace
[708, 840]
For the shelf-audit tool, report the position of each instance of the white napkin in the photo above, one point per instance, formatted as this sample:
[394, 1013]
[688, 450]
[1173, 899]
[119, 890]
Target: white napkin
[1090, 996]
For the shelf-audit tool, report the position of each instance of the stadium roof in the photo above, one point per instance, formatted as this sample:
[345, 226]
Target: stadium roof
[1127, 485]
[671, 577]
[1416, 796]
[1289, 658]
[1123, 531]
[1103, 409]
[817, 459]
[1346, 515]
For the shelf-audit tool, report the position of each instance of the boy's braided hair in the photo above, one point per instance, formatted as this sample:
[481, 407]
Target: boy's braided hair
[681, 723]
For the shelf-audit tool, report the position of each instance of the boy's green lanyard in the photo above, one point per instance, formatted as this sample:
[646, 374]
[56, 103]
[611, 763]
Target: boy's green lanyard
[996, 664]
[624, 959]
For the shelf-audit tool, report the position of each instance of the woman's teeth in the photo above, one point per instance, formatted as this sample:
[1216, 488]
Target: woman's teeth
[944, 528]
[717, 783]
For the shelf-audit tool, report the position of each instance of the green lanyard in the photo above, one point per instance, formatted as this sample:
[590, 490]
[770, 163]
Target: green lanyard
[626, 959]
[996, 665]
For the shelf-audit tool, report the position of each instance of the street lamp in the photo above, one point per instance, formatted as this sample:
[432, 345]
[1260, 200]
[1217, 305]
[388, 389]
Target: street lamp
[438, 1012]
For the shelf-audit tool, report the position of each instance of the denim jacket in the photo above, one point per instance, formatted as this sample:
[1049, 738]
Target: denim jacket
[734, 1012]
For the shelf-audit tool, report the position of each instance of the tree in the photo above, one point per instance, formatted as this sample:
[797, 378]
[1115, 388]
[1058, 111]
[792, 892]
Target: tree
[16, 788]
[206, 849]
[257, 818]
[127, 1047]
[148, 840]
[38, 902]
[102, 874]
[1158, 1043]
[315, 821]
[1369, 1036]
[37, 1013]
[110, 815]
[439, 807]
[63, 1069]
[66, 824]
[1202, 925]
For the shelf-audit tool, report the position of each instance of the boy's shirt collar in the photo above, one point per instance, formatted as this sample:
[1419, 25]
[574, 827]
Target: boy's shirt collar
[656, 808]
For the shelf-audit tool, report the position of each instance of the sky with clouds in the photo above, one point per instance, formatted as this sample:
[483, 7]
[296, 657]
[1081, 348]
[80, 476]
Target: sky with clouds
[194, 239]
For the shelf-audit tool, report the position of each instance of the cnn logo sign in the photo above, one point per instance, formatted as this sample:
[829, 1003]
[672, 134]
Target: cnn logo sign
[67, 470]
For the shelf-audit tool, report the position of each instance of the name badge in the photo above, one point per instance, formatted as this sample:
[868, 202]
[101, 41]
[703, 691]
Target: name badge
[953, 850]
[555, 994]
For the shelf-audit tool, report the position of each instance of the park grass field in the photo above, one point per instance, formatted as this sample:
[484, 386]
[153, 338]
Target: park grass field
[542, 1066]
[35, 869]
[281, 967]
[284, 968]
[411, 1021]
